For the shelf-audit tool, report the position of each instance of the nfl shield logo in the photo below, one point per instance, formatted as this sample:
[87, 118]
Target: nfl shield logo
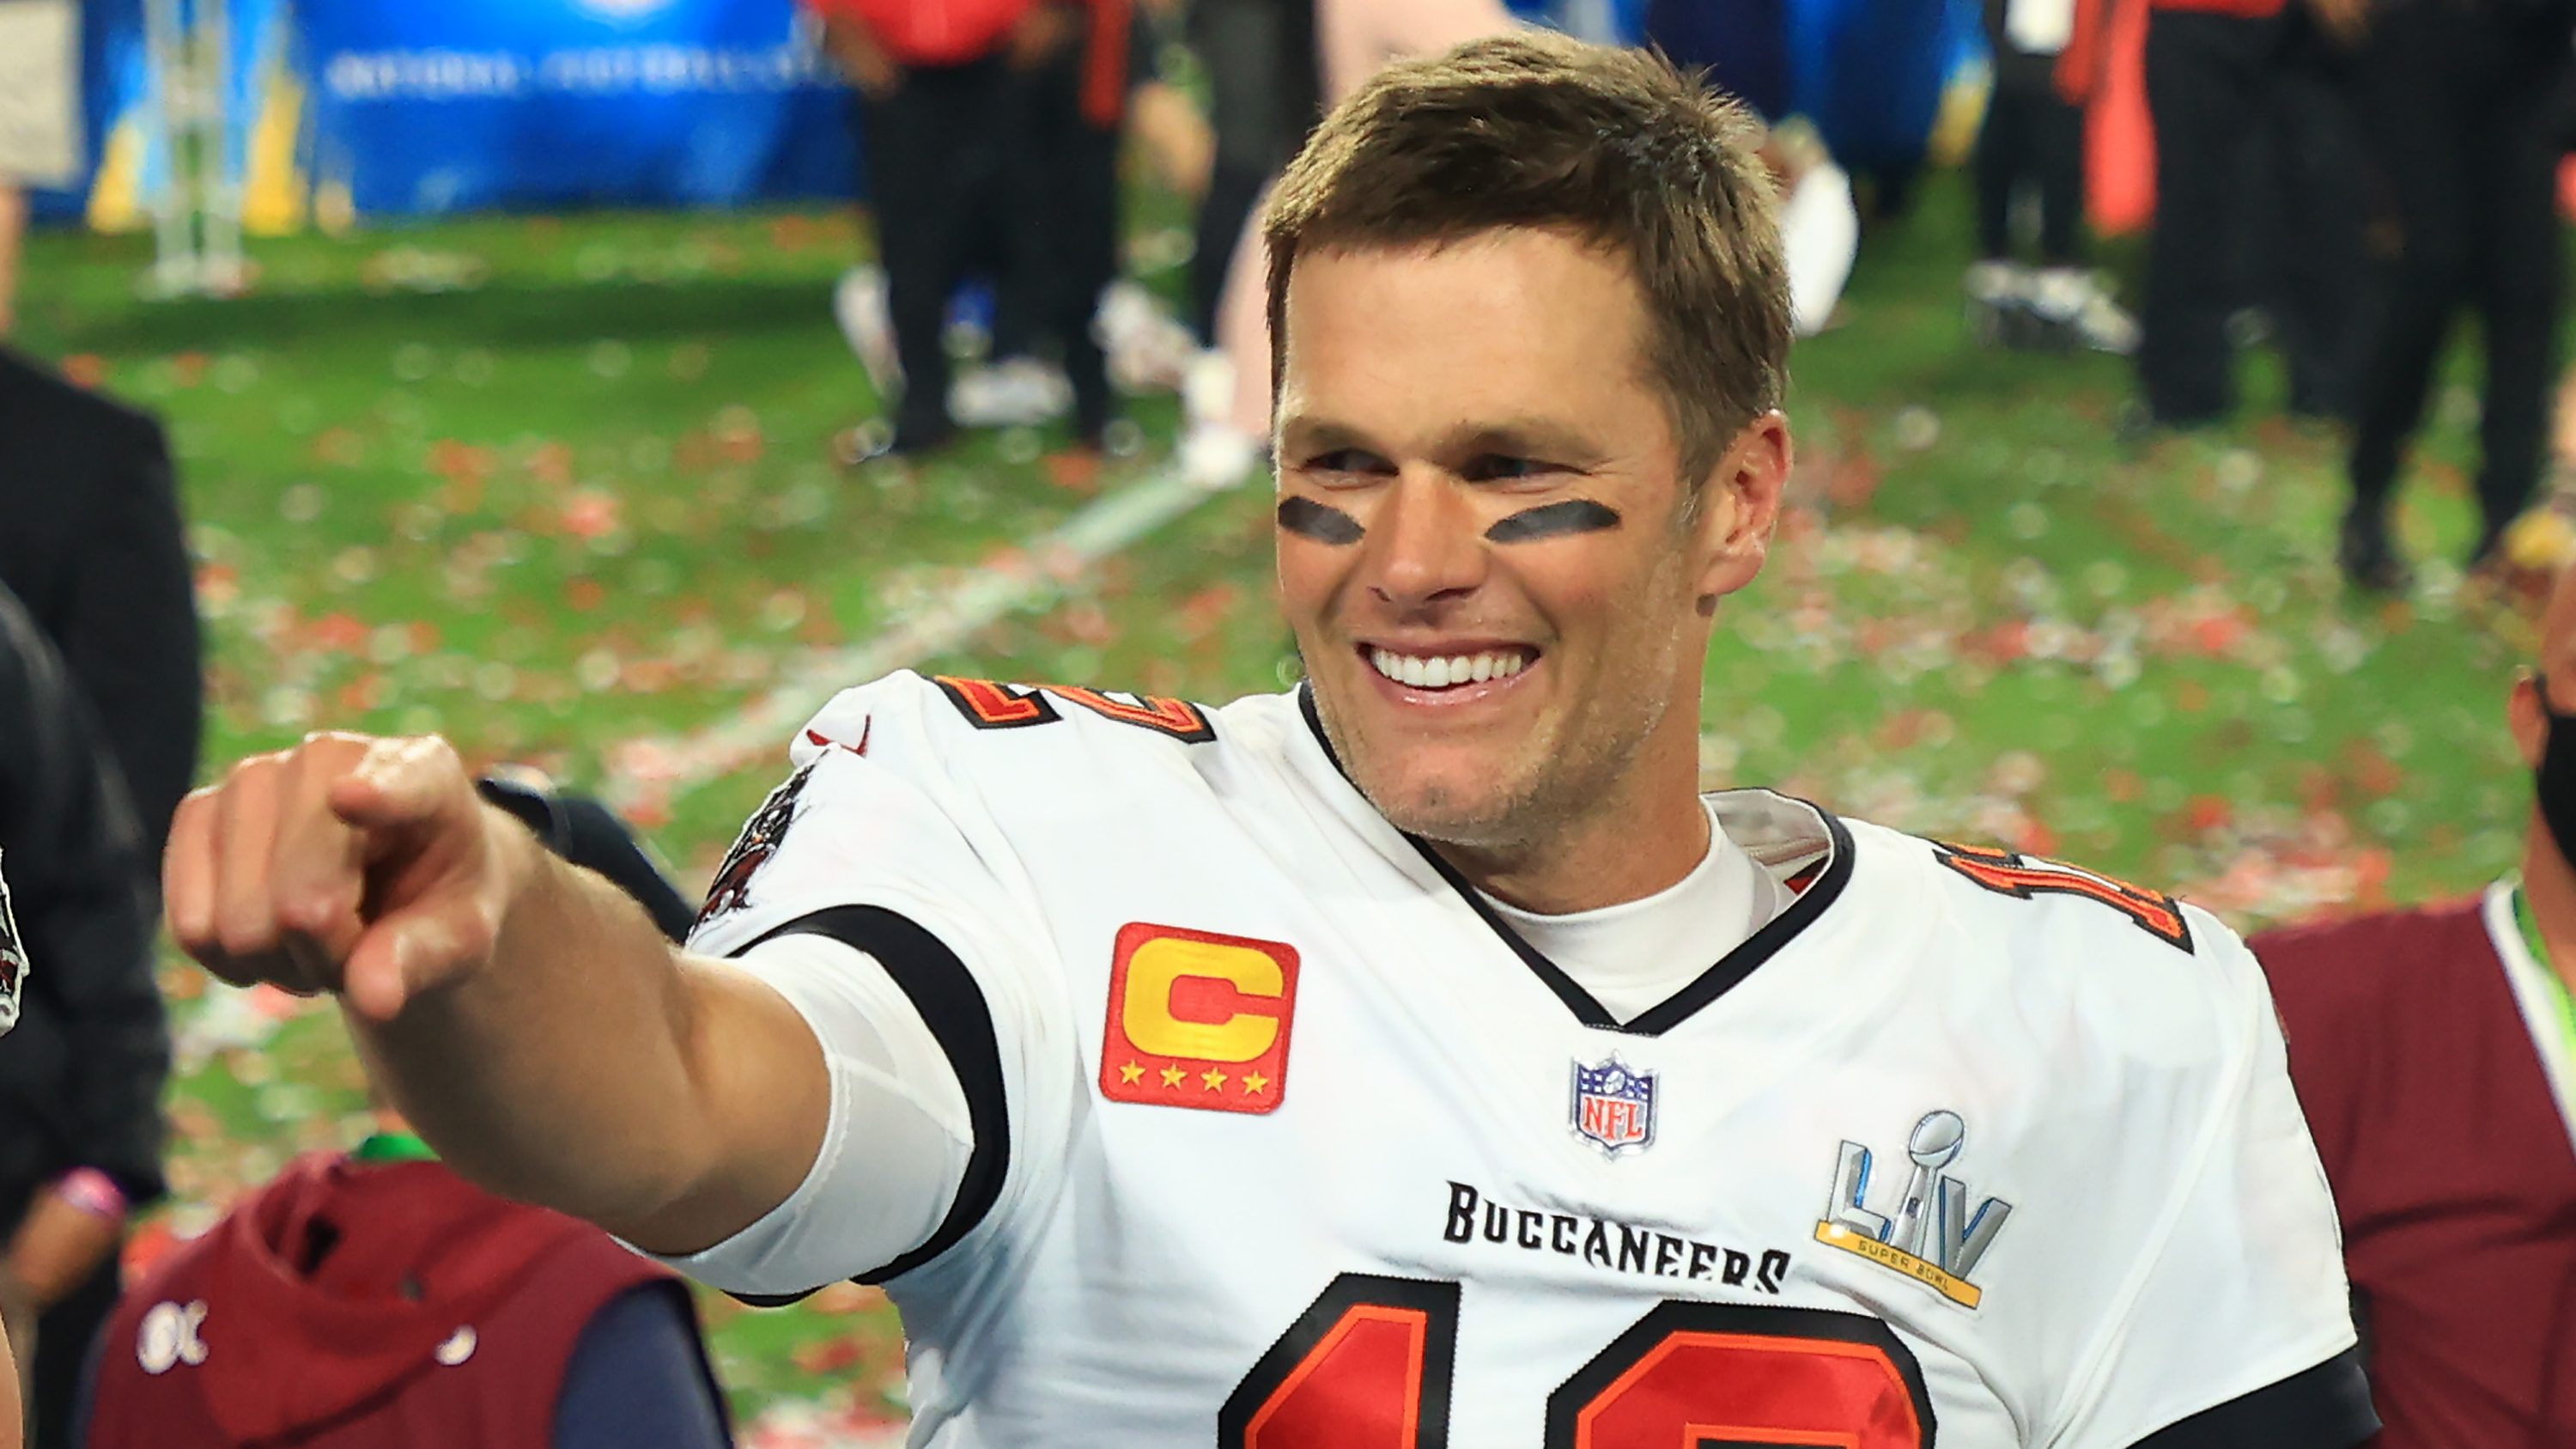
[1614, 1106]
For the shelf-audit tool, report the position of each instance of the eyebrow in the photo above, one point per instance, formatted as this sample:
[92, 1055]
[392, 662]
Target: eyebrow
[1321, 435]
[1513, 437]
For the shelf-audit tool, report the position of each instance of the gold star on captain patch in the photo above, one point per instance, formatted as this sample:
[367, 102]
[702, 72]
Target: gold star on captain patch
[1254, 1084]
[1172, 1076]
[1213, 1078]
[1131, 1073]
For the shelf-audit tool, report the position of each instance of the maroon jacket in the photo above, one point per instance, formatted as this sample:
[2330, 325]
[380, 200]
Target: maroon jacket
[2452, 1171]
[348, 1305]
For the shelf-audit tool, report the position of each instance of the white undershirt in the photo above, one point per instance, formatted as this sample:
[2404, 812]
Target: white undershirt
[895, 1145]
[1634, 955]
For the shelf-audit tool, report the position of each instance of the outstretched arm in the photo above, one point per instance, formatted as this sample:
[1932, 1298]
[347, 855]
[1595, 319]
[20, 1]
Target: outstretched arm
[526, 1015]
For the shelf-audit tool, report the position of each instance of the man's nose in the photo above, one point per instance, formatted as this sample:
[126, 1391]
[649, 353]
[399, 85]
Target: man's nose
[1423, 544]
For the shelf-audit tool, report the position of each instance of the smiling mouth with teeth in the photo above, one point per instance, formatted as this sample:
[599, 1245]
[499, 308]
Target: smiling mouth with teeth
[1448, 671]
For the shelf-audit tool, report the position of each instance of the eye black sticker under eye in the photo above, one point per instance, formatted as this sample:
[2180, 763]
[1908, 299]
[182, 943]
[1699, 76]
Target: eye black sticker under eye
[1321, 522]
[1554, 520]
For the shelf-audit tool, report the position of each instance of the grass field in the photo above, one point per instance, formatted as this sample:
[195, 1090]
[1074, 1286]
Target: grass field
[559, 486]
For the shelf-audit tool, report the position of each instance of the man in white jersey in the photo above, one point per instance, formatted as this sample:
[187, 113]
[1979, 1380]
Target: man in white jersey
[1415, 1058]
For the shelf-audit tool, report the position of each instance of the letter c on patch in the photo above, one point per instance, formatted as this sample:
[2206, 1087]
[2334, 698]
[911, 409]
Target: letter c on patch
[1156, 971]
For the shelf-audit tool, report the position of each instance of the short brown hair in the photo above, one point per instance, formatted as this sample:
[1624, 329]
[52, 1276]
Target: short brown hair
[1614, 146]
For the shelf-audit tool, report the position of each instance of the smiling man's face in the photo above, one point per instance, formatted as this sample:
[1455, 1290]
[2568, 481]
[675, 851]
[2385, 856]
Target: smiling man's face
[1485, 547]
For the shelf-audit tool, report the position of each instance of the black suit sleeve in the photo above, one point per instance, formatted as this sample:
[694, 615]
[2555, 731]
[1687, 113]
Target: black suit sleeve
[639, 1376]
[127, 623]
[91, 1051]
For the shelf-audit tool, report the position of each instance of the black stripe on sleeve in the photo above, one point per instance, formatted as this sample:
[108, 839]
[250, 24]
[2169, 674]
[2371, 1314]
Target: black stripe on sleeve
[2326, 1407]
[952, 1005]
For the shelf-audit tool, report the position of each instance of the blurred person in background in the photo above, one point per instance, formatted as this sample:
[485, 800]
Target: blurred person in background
[81, 1074]
[93, 544]
[1064, 329]
[940, 88]
[1028, 198]
[2435, 1053]
[375, 1300]
[40, 121]
[2464, 116]
[2030, 150]
[2215, 75]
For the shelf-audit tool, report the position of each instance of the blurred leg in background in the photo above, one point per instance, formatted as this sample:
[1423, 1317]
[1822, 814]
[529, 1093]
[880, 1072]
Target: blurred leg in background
[1998, 283]
[2520, 290]
[933, 147]
[1259, 56]
[1354, 40]
[2030, 158]
[2458, 111]
[2416, 139]
[2206, 72]
[1066, 170]
[2315, 273]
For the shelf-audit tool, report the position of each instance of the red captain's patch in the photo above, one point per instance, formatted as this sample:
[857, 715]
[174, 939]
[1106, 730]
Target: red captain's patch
[1198, 1020]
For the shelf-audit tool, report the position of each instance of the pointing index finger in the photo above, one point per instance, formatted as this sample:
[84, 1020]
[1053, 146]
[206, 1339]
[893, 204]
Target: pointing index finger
[317, 878]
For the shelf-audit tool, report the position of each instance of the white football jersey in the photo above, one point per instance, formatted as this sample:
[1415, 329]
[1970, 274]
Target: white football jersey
[1281, 1139]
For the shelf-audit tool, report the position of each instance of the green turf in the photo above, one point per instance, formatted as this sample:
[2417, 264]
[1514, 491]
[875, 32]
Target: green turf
[551, 485]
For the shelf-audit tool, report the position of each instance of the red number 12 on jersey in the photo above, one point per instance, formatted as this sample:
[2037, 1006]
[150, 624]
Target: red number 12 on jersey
[1369, 1364]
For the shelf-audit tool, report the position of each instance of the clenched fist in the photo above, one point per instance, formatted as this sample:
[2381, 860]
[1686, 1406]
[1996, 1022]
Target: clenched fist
[366, 867]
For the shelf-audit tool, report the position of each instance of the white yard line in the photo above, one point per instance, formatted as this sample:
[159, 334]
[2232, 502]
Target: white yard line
[655, 770]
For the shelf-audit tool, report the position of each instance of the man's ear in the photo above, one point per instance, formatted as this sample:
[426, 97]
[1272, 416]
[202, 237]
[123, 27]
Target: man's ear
[1740, 505]
[2526, 719]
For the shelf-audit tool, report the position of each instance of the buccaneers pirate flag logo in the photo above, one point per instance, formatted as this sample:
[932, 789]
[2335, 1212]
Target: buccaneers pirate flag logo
[758, 842]
[13, 961]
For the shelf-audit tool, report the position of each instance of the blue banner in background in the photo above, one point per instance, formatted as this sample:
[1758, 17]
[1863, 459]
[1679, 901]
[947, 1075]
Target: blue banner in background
[510, 104]
[1870, 74]
[345, 109]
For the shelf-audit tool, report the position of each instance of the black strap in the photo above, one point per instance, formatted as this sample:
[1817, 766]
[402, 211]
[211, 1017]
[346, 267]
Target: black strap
[952, 1005]
[590, 835]
[2325, 1407]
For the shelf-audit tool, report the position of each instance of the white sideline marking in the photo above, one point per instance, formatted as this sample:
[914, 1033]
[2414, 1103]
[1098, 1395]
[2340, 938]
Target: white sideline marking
[655, 770]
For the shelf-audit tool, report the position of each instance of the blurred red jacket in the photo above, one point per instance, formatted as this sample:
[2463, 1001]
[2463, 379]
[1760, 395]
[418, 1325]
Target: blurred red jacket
[355, 1306]
[931, 32]
[2453, 1170]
